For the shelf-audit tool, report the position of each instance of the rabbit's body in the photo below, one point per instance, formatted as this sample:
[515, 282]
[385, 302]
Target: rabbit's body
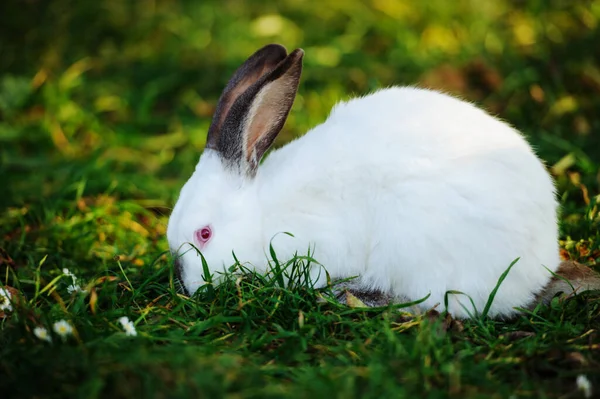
[415, 201]
[413, 191]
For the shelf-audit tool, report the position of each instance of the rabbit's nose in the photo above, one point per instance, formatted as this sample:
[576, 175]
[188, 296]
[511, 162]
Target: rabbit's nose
[178, 275]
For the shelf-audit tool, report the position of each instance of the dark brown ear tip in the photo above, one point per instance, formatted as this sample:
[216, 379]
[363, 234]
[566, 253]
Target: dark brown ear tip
[297, 54]
[274, 50]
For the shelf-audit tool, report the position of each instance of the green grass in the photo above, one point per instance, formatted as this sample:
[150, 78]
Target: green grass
[104, 108]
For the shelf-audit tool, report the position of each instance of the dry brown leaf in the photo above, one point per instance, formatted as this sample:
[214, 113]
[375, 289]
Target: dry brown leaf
[353, 301]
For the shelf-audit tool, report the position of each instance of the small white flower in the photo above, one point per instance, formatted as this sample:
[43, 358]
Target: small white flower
[128, 326]
[68, 273]
[75, 288]
[584, 385]
[62, 328]
[5, 296]
[42, 334]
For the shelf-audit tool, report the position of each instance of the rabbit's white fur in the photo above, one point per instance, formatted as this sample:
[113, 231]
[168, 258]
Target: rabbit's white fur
[412, 190]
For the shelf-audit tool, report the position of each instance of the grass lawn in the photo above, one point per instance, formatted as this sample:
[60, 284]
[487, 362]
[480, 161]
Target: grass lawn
[104, 108]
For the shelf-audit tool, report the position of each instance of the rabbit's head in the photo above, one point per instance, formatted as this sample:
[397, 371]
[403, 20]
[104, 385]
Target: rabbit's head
[218, 211]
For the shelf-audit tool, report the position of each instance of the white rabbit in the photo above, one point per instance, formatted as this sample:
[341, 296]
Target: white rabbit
[414, 191]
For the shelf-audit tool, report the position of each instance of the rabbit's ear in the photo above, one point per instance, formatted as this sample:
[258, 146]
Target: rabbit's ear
[257, 115]
[255, 67]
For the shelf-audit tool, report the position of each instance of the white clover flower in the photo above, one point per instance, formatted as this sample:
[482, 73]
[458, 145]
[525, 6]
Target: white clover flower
[62, 328]
[128, 326]
[5, 296]
[42, 334]
[584, 385]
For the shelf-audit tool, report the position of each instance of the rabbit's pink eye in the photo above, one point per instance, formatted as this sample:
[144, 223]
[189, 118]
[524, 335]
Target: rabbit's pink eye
[203, 234]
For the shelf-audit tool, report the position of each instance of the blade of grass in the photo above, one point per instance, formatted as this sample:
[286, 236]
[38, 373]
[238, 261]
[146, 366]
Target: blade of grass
[490, 300]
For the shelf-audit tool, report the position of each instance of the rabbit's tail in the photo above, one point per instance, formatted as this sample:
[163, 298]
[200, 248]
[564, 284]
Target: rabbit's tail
[579, 278]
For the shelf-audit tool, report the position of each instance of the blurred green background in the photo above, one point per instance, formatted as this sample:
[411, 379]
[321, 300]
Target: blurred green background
[115, 97]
